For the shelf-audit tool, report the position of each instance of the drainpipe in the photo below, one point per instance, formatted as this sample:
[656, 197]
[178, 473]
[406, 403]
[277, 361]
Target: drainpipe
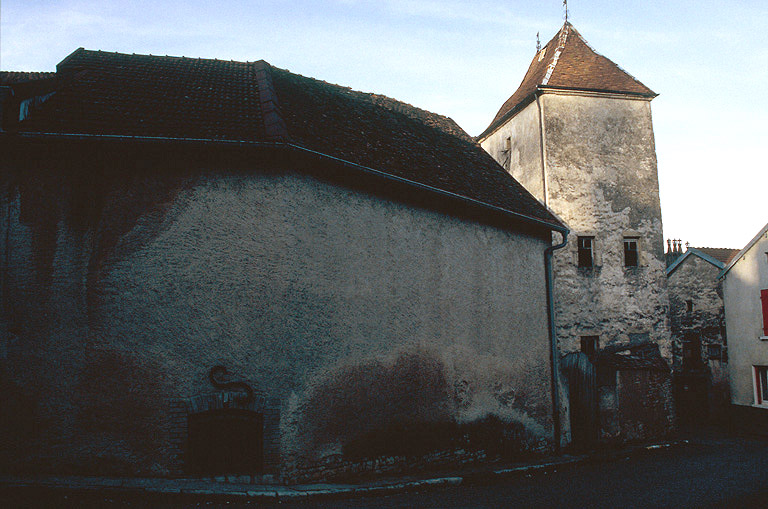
[554, 354]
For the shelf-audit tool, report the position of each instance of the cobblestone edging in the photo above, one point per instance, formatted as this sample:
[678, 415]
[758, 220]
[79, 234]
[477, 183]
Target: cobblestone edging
[336, 467]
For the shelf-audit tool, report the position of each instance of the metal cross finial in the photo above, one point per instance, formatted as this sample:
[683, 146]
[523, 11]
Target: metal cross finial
[565, 4]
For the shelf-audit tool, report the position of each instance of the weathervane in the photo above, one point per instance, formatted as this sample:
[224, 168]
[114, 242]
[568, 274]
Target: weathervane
[538, 43]
[565, 4]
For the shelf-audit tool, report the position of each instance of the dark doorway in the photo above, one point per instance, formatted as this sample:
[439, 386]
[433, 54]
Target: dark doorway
[582, 393]
[226, 441]
[692, 353]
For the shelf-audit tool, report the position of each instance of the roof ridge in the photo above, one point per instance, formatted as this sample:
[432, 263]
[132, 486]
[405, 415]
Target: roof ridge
[275, 128]
[723, 248]
[82, 51]
[397, 106]
[562, 39]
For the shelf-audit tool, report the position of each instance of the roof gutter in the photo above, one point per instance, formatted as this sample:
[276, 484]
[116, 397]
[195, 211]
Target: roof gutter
[559, 228]
[554, 352]
[298, 148]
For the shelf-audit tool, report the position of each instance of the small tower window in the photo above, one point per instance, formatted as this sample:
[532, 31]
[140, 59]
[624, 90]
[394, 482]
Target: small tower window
[586, 255]
[689, 306]
[631, 257]
[506, 154]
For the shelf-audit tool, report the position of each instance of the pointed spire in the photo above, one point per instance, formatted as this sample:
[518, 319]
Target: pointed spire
[565, 5]
[568, 62]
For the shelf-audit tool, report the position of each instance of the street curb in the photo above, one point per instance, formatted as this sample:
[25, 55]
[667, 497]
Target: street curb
[277, 494]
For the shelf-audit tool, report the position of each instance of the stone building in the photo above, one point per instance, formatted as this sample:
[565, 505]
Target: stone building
[745, 295]
[697, 318]
[222, 267]
[578, 134]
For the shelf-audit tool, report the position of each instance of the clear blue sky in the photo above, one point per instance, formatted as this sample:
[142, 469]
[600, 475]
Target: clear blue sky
[708, 60]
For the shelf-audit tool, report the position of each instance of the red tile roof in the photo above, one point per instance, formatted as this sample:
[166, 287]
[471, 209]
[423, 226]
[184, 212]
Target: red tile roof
[568, 62]
[152, 96]
[724, 255]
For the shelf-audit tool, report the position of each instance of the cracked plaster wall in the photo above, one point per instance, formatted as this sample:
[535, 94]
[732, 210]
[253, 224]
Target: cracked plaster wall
[601, 179]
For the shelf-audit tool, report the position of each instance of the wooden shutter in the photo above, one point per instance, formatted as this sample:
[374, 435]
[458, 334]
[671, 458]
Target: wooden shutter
[764, 298]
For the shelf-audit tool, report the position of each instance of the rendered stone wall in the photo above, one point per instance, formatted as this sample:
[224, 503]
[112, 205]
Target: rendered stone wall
[347, 313]
[600, 178]
[523, 157]
[603, 182]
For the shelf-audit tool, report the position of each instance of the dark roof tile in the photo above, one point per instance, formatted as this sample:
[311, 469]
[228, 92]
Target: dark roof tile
[139, 95]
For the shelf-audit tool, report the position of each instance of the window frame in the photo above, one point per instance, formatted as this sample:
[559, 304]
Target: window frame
[582, 249]
[764, 307]
[629, 239]
[760, 385]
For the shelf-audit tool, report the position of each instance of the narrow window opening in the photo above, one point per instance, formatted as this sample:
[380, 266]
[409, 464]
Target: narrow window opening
[506, 153]
[689, 306]
[586, 252]
[631, 257]
[761, 385]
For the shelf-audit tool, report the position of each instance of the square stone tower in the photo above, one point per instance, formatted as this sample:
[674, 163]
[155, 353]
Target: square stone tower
[578, 135]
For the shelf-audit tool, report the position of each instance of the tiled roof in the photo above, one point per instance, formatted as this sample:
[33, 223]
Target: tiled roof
[403, 141]
[153, 96]
[139, 95]
[721, 254]
[568, 62]
[12, 77]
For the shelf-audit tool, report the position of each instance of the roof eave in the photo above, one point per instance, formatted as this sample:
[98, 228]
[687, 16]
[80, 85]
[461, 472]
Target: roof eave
[693, 251]
[744, 251]
[550, 225]
[541, 89]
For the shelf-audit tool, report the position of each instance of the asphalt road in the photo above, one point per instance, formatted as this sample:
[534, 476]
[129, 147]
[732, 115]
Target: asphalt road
[709, 472]
[715, 472]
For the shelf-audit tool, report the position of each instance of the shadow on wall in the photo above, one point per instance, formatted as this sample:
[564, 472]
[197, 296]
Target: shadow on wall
[409, 406]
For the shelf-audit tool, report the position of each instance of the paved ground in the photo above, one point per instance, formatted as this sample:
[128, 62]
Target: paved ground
[722, 473]
[710, 471]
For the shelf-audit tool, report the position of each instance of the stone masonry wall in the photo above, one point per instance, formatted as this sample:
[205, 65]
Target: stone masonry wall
[696, 281]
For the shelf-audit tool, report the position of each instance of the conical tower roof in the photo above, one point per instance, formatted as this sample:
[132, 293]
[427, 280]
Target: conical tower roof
[569, 62]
